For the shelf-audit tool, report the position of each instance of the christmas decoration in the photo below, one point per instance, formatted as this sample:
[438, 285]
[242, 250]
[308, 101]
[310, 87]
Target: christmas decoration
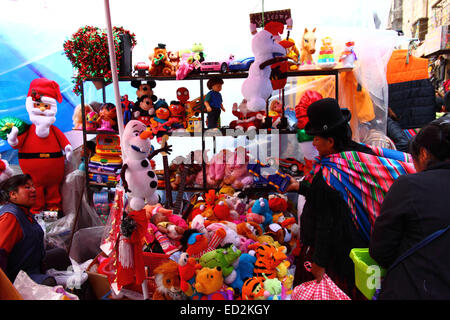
[87, 50]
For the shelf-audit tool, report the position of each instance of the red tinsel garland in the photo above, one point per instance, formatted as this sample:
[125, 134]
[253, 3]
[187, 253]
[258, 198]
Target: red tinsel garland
[88, 52]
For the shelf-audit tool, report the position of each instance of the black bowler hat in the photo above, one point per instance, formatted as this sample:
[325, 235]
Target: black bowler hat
[325, 115]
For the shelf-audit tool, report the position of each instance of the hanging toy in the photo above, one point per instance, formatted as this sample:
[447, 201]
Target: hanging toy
[138, 178]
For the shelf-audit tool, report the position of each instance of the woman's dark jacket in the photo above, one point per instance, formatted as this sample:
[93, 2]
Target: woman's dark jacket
[415, 206]
[326, 225]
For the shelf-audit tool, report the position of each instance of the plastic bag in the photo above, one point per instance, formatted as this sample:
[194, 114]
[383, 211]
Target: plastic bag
[30, 290]
[325, 290]
[71, 279]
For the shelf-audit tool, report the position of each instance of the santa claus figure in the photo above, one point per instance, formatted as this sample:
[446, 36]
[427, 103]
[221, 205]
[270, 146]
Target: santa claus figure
[41, 146]
[246, 120]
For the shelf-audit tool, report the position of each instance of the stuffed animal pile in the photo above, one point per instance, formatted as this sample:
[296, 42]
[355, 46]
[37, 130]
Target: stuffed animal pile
[232, 247]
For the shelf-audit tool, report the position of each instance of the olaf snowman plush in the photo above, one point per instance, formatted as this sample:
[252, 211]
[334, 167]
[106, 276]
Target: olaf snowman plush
[138, 179]
[257, 88]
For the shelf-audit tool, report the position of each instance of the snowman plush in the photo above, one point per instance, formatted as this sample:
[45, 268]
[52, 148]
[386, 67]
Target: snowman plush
[139, 180]
[257, 88]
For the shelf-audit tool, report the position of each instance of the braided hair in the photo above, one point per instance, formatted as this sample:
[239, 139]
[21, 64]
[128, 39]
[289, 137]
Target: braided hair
[434, 138]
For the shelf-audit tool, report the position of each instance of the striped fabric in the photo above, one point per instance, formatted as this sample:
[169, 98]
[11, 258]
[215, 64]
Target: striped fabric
[363, 180]
[411, 132]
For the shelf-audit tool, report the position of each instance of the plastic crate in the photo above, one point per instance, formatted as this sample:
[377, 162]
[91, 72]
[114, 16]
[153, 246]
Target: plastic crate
[363, 261]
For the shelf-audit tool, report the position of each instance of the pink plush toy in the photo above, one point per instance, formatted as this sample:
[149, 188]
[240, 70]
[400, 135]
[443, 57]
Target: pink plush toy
[217, 167]
[236, 172]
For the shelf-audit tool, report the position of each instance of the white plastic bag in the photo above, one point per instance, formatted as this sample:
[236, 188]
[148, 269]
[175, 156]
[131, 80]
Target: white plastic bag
[30, 290]
[74, 277]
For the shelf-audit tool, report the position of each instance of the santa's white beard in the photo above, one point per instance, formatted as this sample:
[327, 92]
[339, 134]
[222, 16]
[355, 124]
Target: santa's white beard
[42, 119]
[42, 123]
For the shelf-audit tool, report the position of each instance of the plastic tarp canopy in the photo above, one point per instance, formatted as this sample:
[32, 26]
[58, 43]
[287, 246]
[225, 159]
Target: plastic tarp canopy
[32, 34]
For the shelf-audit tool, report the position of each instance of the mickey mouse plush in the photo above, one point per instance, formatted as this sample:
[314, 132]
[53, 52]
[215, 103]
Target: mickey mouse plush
[144, 88]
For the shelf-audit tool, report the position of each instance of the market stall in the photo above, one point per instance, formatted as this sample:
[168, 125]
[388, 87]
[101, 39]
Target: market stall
[157, 202]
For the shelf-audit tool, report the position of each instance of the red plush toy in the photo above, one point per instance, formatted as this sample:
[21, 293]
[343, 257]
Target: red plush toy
[41, 146]
[187, 267]
[300, 109]
[246, 120]
[197, 244]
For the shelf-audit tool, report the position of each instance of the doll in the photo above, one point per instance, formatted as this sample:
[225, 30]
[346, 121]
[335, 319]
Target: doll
[107, 117]
[92, 121]
[160, 123]
[213, 102]
[144, 109]
[348, 56]
[178, 116]
[41, 146]
[246, 120]
[275, 112]
[77, 116]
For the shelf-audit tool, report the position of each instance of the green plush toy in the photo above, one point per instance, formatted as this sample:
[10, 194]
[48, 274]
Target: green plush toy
[224, 258]
[7, 123]
[273, 286]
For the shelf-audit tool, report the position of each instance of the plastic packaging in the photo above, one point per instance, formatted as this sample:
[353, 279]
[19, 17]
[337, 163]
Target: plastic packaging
[30, 290]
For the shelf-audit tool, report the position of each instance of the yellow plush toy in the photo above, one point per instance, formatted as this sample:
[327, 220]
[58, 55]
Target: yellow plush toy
[208, 280]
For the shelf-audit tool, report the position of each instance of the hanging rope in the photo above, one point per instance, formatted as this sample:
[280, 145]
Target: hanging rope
[262, 13]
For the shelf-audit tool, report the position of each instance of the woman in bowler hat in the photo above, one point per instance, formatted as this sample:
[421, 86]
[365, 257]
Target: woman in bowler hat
[327, 231]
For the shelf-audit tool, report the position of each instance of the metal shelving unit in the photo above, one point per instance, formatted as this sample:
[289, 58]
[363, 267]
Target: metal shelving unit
[200, 76]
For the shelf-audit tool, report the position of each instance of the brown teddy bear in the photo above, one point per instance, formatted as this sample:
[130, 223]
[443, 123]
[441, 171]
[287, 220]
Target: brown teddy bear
[174, 58]
[161, 65]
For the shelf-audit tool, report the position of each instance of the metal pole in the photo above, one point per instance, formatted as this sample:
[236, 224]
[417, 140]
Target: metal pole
[115, 78]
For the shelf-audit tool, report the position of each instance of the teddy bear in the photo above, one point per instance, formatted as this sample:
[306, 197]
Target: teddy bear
[208, 280]
[161, 65]
[209, 285]
[174, 58]
[250, 230]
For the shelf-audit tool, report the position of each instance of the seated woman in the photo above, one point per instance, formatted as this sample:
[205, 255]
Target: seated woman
[21, 237]
[338, 212]
[416, 206]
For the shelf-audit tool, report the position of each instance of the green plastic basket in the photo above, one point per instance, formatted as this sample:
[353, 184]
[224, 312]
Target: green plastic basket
[368, 273]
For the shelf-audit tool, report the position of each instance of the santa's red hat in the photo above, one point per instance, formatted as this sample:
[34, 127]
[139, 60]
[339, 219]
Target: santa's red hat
[274, 27]
[43, 87]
